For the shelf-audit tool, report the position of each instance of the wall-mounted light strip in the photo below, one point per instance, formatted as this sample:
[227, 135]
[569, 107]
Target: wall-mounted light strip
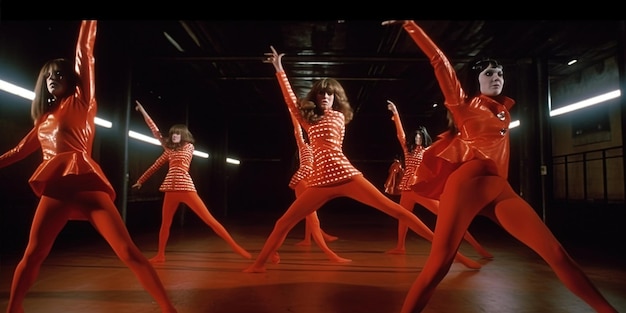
[232, 161]
[142, 137]
[154, 141]
[586, 103]
[29, 95]
[16, 90]
[102, 122]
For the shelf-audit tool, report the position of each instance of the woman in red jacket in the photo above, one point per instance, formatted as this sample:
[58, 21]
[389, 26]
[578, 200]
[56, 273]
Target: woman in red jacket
[467, 170]
[70, 184]
[413, 149]
[323, 114]
[178, 185]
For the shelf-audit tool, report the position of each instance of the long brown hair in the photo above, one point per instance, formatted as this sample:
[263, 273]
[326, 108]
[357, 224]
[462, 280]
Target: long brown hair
[313, 112]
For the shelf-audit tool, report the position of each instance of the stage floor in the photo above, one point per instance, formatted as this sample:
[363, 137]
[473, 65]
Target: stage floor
[202, 274]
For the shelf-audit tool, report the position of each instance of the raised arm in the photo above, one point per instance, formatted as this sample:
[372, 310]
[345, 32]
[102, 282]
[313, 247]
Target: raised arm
[153, 127]
[396, 119]
[85, 61]
[290, 97]
[444, 71]
[27, 145]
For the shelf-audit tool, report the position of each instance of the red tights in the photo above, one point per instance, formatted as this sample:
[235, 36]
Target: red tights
[408, 200]
[314, 230]
[469, 191]
[192, 200]
[357, 188]
[97, 207]
[311, 219]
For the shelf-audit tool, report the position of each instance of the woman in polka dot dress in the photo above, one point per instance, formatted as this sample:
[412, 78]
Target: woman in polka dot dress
[323, 114]
[413, 149]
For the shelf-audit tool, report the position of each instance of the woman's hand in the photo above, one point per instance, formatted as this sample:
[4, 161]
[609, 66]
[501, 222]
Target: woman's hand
[137, 185]
[139, 107]
[392, 107]
[274, 58]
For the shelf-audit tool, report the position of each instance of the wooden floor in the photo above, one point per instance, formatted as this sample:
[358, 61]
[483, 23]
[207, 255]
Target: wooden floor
[203, 275]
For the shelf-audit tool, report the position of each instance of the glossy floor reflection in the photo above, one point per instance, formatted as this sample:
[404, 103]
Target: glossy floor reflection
[203, 275]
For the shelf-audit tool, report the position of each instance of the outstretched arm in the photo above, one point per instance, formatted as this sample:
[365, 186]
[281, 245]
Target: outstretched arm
[275, 58]
[444, 71]
[290, 97]
[27, 145]
[153, 127]
[85, 61]
[396, 119]
[152, 169]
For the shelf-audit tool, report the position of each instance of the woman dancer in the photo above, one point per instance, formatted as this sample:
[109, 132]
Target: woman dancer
[474, 157]
[413, 149]
[69, 183]
[305, 159]
[298, 184]
[323, 114]
[178, 185]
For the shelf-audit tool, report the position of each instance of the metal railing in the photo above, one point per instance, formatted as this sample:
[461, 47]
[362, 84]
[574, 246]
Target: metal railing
[591, 176]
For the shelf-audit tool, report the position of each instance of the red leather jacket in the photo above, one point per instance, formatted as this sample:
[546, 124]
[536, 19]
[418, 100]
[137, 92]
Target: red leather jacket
[483, 124]
[65, 135]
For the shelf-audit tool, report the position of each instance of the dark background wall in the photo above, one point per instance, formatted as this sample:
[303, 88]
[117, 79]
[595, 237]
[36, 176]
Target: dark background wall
[259, 185]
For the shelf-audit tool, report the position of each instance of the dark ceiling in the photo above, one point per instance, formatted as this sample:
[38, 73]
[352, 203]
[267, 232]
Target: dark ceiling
[216, 82]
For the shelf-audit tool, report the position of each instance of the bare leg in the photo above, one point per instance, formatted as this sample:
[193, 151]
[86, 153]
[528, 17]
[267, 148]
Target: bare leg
[197, 205]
